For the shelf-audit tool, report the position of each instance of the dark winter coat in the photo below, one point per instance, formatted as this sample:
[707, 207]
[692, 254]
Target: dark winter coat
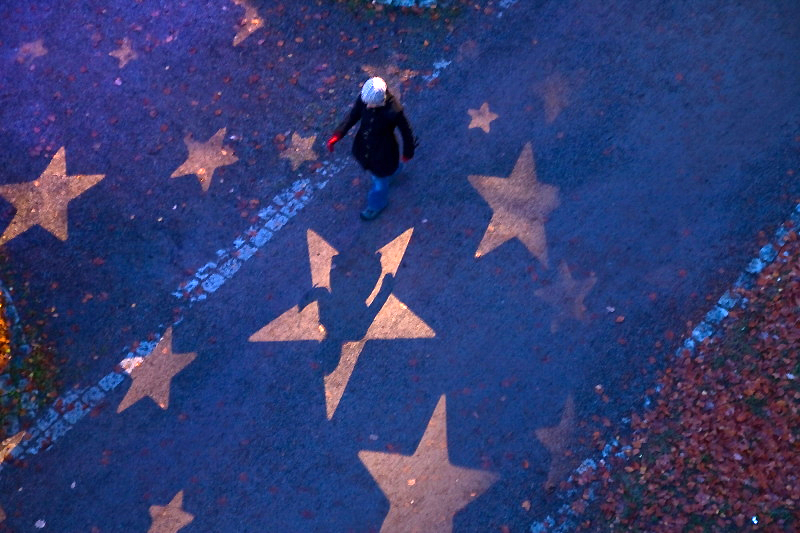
[375, 146]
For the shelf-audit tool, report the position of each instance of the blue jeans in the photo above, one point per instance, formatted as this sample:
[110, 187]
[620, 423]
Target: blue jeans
[378, 196]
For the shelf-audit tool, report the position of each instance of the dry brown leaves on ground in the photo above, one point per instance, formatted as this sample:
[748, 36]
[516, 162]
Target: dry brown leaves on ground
[720, 450]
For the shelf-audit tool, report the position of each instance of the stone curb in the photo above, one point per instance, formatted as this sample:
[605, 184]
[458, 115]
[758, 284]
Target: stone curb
[565, 519]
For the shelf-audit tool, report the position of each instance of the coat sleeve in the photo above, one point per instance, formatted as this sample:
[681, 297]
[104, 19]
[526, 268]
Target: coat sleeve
[351, 119]
[409, 141]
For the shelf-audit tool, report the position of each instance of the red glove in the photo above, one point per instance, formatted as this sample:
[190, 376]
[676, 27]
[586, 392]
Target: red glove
[333, 140]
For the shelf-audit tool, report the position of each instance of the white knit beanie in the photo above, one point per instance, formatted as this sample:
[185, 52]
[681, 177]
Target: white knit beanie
[374, 91]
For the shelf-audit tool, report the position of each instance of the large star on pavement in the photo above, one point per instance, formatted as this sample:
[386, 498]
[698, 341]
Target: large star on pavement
[249, 23]
[566, 295]
[205, 157]
[425, 490]
[481, 118]
[520, 206]
[153, 376]
[557, 440]
[301, 149]
[43, 202]
[394, 320]
[169, 518]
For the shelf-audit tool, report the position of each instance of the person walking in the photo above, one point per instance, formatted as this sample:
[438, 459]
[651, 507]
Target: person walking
[375, 146]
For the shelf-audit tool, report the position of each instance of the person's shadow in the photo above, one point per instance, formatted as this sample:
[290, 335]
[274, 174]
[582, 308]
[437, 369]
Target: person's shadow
[343, 311]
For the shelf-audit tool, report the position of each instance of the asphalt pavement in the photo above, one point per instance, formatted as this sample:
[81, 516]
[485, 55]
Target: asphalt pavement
[242, 353]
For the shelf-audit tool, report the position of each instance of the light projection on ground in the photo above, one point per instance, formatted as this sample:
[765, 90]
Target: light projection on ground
[392, 318]
[169, 518]
[43, 202]
[205, 158]
[153, 375]
[300, 149]
[481, 118]
[425, 490]
[391, 256]
[30, 51]
[124, 54]
[249, 23]
[520, 207]
[566, 296]
[557, 440]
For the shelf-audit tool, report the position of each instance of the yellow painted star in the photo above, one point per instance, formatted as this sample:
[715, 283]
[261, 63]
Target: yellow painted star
[124, 54]
[31, 50]
[520, 206]
[557, 440]
[249, 24]
[425, 490]
[205, 158]
[394, 320]
[169, 518]
[482, 118]
[153, 376]
[44, 201]
[566, 295]
[300, 150]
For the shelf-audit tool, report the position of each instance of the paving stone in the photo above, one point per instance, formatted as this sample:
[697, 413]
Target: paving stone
[230, 267]
[213, 282]
[111, 381]
[716, 315]
[768, 253]
[261, 238]
[44, 422]
[78, 411]
[702, 331]
[277, 222]
[93, 396]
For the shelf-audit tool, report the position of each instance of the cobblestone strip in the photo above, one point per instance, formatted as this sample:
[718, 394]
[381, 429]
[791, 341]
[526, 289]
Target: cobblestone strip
[67, 410]
[565, 519]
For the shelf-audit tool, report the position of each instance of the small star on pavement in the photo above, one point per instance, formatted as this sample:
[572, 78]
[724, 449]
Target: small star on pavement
[44, 201]
[566, 295]
[300, 150]
[169, 518]
[205, 158]
[31, 50]
[124, 54]
[249, 23]
[425, 490]
[557, 440]
[153, 376]
[482, 118]
[520, 206]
